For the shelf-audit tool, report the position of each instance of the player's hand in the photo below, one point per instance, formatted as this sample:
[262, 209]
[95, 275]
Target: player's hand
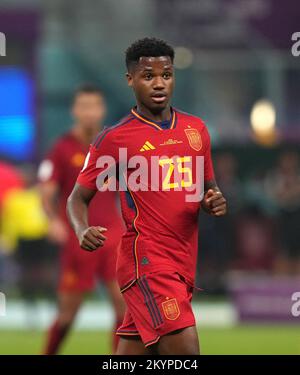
[92, 238]
[214, 203]
[57, 231]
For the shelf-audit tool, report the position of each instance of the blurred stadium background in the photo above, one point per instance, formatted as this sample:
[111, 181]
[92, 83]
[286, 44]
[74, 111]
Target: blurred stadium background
[235, 69]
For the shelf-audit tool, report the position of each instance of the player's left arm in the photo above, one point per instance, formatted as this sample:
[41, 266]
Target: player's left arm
[214, 203]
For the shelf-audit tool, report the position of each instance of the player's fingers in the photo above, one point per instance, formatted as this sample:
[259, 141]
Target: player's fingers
[96, 237]
[97, 234]
[86, 248]
[209, 193]
[86, 245]
[220, 213]
[101, 229]
[219, 205]
[90, 241]
[93, 244]
[95, 241]
[218, 202]
[215, 196]
[220, 210]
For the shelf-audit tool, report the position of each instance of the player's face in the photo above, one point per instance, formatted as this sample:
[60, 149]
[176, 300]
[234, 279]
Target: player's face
[89, 110]
[152, 80]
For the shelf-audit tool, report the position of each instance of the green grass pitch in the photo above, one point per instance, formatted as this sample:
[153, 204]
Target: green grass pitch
[247, 339]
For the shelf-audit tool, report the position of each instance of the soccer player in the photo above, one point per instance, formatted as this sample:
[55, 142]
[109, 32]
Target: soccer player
[156, 262]
[58, 173]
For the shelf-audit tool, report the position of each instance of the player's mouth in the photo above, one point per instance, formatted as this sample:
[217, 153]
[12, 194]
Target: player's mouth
[159, 97]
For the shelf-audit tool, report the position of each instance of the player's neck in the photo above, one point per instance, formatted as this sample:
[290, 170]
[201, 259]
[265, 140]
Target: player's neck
[84, 136]
[163, 115]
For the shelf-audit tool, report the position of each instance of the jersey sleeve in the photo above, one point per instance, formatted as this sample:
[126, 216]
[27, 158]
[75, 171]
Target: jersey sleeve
[101, 161]
[52, 167]
[208, 165]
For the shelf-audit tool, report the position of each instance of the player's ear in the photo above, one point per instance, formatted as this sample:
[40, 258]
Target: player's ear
[129, 79]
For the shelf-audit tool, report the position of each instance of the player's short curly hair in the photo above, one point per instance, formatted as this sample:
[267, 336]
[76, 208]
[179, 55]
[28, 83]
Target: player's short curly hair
[148, 47]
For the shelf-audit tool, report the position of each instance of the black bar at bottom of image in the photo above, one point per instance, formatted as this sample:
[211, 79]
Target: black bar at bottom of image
[90, 365]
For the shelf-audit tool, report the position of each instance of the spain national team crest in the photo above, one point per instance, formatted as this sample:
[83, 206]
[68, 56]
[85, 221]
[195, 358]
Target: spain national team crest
[171, 309]
[194, 138]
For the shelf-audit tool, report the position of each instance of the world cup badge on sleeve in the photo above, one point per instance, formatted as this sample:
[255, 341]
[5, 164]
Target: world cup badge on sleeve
[171, 309]
[194, 138]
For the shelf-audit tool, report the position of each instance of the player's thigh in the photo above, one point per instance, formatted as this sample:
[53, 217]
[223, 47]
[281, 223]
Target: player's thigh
[183, 341]
[133, 346]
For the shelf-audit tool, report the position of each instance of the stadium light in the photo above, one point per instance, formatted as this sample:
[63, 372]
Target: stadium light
[183, 58]
[263, 122]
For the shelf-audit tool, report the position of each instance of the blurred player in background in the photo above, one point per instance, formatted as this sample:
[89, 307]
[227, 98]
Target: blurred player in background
[156, 263]
[24, 236]
[58, 173]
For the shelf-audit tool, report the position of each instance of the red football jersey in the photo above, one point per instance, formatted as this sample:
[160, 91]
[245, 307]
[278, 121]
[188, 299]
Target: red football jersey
[62, 165]
[158, 163]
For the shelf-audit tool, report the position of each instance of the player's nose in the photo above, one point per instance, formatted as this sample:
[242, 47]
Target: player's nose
[158, 83]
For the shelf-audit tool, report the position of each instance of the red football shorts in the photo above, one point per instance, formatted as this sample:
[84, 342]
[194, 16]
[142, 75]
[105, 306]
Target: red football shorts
[80, 269]
[157, 304]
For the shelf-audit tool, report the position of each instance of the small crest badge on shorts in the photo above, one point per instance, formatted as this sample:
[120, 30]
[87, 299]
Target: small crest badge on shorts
[194, 138]
[171, 309]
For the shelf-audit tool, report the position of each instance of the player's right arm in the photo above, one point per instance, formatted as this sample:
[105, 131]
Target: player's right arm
[89, 237]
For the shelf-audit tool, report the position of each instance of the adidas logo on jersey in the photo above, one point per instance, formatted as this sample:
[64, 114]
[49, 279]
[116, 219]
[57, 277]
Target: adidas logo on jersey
[145, 261]
[147, 146]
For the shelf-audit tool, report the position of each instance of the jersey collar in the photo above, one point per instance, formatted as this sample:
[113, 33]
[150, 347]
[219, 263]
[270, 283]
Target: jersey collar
[155, 124]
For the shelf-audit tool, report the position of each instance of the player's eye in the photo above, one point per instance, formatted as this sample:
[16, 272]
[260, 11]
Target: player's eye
[148, 76]
[166, 75]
